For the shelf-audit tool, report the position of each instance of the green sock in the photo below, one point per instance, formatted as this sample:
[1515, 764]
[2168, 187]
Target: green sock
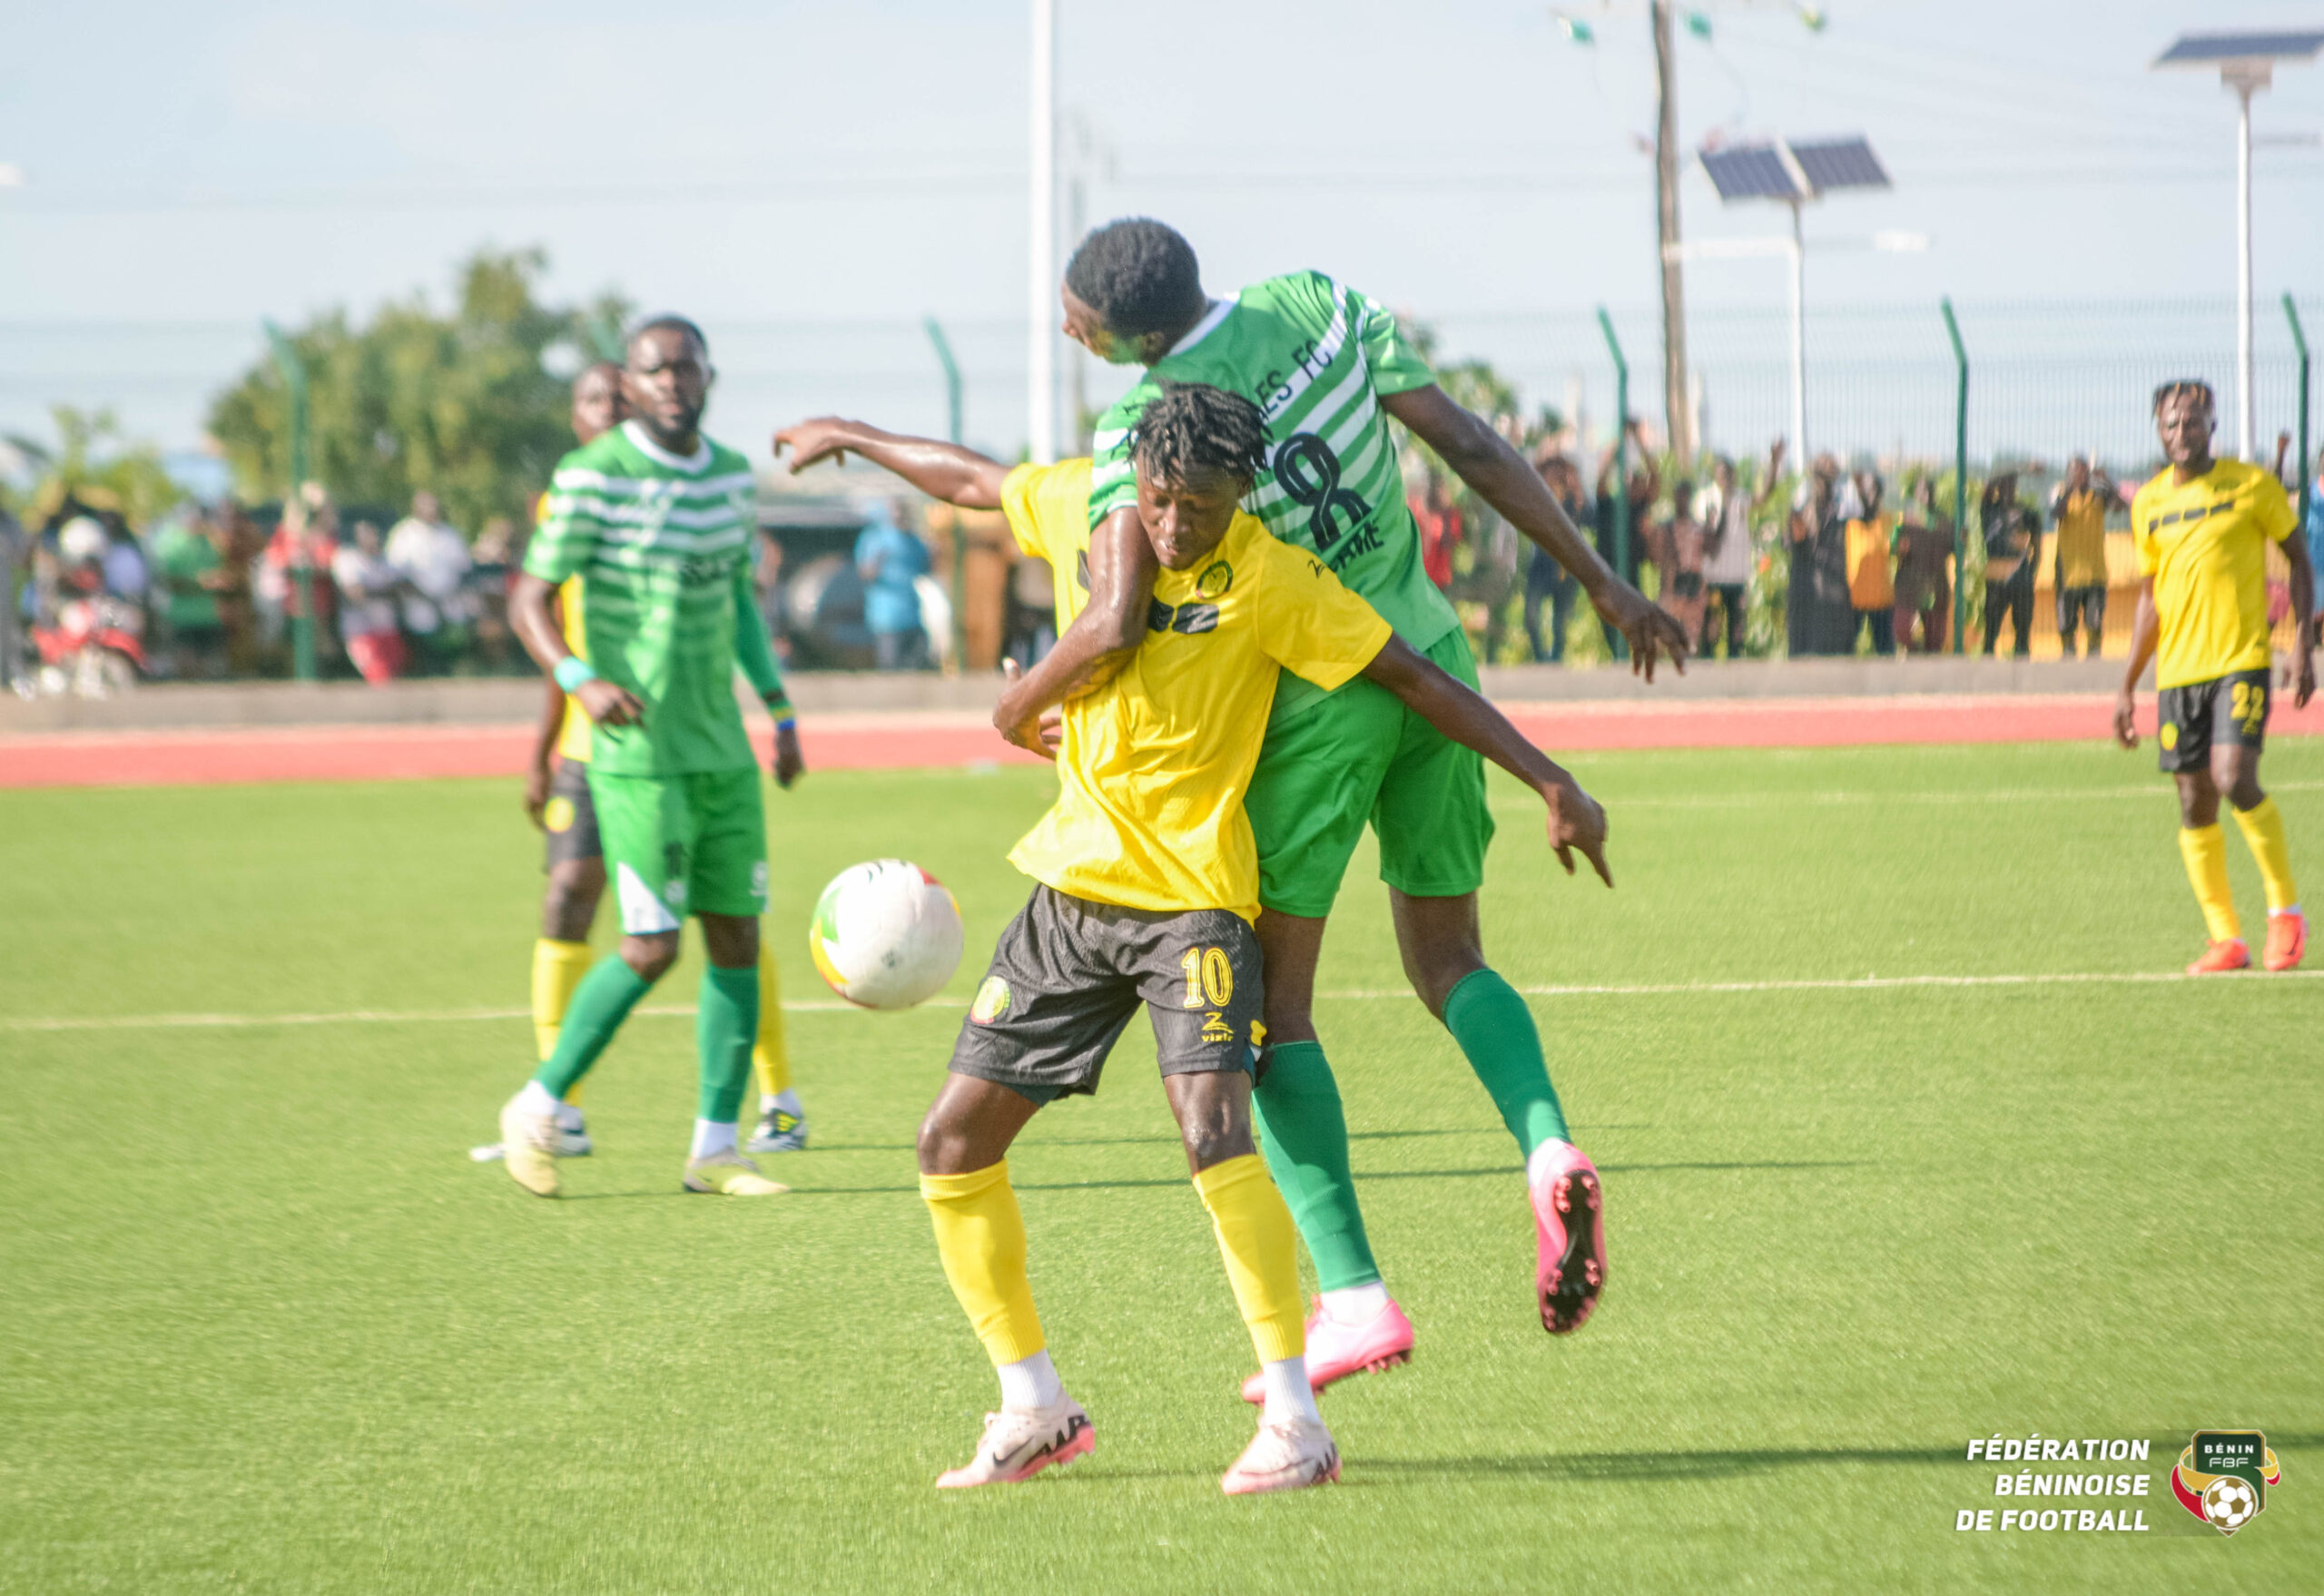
[1304, 1133]
[725, 1027]
[1496, 1030]
[600, 1003]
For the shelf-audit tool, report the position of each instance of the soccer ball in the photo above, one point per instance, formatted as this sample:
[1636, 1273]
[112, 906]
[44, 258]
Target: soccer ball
[2229, 1502]
[887, 935]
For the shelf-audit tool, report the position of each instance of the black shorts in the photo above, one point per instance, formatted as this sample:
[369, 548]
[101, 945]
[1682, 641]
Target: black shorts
[570, 818]
[1067, 974]
[1686, 584]
[2086, 606]
[2230, 709]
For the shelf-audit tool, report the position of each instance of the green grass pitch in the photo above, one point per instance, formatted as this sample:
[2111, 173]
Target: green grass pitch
[264, 1327]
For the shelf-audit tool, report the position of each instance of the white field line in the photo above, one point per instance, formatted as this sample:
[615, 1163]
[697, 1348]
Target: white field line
[1868, 983]
[2158, 789]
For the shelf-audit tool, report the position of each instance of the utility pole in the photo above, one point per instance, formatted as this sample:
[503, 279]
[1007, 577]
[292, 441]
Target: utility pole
[1041, 411]
[1675, 409]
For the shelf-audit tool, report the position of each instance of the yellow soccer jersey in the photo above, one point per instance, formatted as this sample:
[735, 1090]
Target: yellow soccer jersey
[2204, 542]
[573, 737]
[1153, 766]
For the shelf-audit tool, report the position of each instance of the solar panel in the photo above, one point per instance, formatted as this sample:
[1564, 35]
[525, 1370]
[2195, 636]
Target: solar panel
[1752, 172]
[1839, 164]
[2202, 49]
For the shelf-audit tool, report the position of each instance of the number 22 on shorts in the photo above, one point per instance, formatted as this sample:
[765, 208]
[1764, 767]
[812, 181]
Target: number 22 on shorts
[2249, 704]
[1208, 971]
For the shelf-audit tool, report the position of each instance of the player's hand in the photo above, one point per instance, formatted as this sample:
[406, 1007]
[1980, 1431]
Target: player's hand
[822, 438]
[1028, 732]
[608, 706]
[2126, 725]
[1650, 629]
[1052, 729]
[537, 794]
[788, 764]
[1576, 824]
[2300, 677]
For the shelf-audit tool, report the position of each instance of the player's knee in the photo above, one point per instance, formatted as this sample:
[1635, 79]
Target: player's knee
[570, 903]
[943, 1145]
[650, 957]
[2245, 792]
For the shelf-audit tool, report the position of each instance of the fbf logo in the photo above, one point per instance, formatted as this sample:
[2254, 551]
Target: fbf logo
[2223, 1477]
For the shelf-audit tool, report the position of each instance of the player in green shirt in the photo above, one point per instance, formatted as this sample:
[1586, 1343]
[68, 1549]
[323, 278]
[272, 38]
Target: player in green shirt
[658, 523]
[1329, 368]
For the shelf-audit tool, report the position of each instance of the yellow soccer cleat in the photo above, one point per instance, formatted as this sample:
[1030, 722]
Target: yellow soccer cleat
[528, 1147]
[729, 1174]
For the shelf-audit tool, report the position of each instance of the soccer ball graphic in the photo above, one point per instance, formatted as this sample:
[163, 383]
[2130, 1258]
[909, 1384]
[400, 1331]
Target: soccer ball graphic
[886, 934]
[2229, 1503]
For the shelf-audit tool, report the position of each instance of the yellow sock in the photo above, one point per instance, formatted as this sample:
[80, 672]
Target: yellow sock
[980, 1236]
[1255, 1233]
[2205, 850]
[771, 1057]
[2262, 826]
[558, 969]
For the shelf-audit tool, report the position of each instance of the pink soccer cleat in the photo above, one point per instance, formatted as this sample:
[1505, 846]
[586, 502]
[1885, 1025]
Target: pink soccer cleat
[1335, 1351]
[1020, 1442]
[1286, 1456]
[1570, 1223]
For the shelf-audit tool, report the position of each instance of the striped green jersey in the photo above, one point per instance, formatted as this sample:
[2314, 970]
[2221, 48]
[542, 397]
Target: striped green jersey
[1316, 357]
[662, 548]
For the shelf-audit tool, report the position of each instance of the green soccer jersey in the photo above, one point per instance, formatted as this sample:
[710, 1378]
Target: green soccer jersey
[1316, 357]
[663, 549]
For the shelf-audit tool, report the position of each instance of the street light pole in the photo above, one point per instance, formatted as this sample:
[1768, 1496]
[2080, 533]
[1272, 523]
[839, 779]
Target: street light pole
[2246, 431]
[1798, 337]
[1041, 411]
[1677, 415]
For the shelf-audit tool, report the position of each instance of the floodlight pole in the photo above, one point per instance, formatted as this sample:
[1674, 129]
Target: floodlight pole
[2246, 431]
[959, 528]
[287, 361]
[1041, 411]
[1621, 463]
[1799, 337]
[2299, 342]
[1960, 473]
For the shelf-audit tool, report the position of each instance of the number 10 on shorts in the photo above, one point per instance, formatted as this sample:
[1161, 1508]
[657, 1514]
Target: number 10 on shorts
[1210, 978]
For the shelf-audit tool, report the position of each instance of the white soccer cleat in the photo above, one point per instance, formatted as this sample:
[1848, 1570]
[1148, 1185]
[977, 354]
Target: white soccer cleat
[1020, 1442]
[528, 1146]
[729, 1174]
[1288, 1455]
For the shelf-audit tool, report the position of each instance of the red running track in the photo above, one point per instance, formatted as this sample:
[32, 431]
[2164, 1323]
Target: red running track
[915, 741]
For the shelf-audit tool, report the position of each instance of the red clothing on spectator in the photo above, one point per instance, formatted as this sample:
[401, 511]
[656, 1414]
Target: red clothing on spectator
[1440, 529]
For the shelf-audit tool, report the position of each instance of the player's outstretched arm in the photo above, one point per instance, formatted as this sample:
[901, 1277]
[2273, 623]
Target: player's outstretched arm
[2146, 631]
[942, 471]
[1102, 637]
[1483, 459]
[1575, 821]
[2303, 614]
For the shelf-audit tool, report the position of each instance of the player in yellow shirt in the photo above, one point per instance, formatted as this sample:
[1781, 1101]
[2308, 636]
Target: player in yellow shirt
[1148, 885]
[557, 797]
[2201, 529]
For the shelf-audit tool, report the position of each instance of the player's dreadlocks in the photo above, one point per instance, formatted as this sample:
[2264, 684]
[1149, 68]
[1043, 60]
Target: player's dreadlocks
[1139, 275]
[1194, 427]
[2193, 387]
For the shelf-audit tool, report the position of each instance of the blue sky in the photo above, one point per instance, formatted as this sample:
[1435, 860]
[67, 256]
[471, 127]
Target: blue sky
[809, 180]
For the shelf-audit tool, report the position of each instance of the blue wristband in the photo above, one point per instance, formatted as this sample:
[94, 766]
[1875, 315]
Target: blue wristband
[572, 671]
[789, 722]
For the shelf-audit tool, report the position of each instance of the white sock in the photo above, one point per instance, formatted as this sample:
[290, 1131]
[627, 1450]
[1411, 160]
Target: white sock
[1030, 1382]
[786, 1100]
[1354, 1305]
[535, 1100]
[2288, 909]
[568, 1117]
[1289, 1396]
[710, 1137]
[1545, 1158]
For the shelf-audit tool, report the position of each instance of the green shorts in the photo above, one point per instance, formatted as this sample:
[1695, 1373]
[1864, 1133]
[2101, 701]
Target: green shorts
[1360, 754]
[681, 845]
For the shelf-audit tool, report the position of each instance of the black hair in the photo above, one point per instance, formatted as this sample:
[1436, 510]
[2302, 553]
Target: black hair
[1139, 274]
[1194, 428]
[2187, 385]
[668, 324]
